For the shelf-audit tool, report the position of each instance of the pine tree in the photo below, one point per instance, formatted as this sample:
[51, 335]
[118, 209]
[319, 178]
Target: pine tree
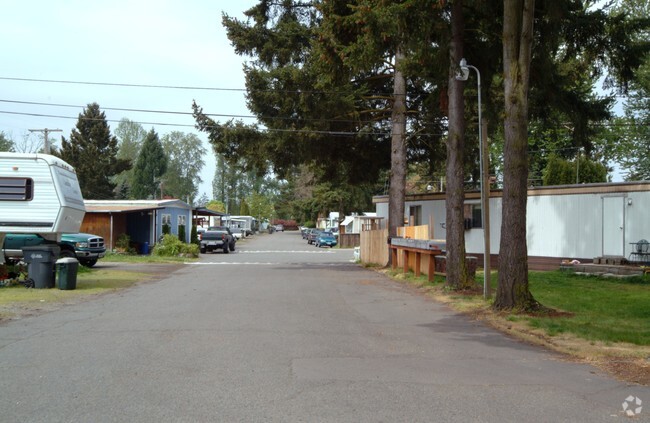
[5, 143]
[149, 168]
[92, 151]
[130, 136]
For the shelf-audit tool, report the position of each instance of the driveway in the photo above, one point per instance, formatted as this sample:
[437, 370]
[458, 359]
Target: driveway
[283, 331]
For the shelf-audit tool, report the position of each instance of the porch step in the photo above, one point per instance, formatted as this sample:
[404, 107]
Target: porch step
[611, 260]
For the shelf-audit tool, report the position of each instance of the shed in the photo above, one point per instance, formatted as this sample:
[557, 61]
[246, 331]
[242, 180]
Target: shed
[563, 222]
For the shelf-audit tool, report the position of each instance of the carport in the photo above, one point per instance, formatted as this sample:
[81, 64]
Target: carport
[110, 221]
[202, 215]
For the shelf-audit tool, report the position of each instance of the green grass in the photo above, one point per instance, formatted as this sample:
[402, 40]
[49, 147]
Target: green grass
[20, 300]
[606, 310]
[589, 307]
[127, 258]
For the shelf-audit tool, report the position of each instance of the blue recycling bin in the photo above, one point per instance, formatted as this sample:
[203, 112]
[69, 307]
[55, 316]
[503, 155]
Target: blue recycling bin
[145, 248]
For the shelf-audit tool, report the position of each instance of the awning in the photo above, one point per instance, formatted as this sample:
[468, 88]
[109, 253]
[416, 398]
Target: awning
[123, 208]
[347, 221]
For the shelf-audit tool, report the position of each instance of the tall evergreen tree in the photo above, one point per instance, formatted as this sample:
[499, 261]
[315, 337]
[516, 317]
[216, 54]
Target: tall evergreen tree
[130, 135]
[92, 151]
[149, 168]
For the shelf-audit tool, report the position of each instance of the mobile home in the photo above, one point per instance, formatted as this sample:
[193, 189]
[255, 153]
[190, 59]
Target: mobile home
[563, 222]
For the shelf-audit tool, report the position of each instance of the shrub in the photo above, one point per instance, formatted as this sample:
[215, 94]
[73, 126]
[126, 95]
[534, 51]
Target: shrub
[123, 245]
[166, 229]
[194, 238]
[170, 246]
[181, 233]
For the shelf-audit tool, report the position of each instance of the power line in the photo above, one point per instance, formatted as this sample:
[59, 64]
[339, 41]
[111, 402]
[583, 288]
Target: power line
[121, 109]
[169, 87]
[116, 84]
[305, 131]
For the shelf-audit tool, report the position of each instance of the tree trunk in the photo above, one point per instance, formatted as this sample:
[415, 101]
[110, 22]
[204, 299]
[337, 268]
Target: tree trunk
[513, 291]
[398, 149]
[456, 266]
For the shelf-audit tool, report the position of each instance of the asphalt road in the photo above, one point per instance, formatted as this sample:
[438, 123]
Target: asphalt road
[282, 331]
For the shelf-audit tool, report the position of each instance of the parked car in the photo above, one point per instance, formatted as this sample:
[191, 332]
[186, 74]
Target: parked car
[87, 248]
[279, 228]
[325, 239]
[312, 235]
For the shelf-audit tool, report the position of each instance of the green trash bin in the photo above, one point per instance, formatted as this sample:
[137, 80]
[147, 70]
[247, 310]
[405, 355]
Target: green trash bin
[67, 268]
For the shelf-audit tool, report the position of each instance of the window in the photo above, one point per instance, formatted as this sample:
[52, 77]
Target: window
[167, 219]
[472, 214]
[415, 215]
[16, 189]
[181, 220]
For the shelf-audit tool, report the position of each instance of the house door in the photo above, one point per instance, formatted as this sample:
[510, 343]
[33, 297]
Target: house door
[613, 226]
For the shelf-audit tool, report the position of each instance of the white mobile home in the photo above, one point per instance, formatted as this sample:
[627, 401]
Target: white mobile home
[563, 222]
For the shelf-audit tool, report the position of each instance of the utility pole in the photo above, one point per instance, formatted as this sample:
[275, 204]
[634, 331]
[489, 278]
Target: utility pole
[46, 143]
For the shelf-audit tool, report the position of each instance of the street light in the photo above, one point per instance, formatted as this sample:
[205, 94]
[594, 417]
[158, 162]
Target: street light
[462, 76]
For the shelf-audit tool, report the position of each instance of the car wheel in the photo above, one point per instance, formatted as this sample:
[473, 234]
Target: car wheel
[88, 263]
[202, 250]
[232, 247]
[226, 250]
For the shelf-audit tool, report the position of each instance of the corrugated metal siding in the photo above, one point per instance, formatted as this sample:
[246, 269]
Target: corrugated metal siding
[59, 207]
[564, 226]
[45, 205]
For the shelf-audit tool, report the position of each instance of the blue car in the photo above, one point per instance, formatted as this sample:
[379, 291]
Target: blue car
[325, 239]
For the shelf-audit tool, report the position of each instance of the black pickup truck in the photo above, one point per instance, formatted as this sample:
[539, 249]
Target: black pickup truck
[217, 238]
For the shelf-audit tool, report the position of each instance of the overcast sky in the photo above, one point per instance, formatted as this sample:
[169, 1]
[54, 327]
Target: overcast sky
[163, 42]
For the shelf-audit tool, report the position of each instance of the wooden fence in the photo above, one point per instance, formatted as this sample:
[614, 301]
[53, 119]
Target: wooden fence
[349, 240]
[414, 232]
[374, 247]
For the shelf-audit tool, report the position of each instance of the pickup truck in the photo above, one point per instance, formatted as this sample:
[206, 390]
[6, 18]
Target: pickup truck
[213, 239]
[86, 248]
[232, 239]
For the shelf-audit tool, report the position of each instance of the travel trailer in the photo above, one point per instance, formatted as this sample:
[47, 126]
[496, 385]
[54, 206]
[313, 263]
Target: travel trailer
[39, 194]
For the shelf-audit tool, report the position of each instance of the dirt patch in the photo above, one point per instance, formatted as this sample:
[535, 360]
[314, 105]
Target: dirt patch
[628, 370]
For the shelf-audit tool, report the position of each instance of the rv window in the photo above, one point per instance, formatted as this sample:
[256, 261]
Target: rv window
[181, 220]
[16, 189]
[167, 219]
